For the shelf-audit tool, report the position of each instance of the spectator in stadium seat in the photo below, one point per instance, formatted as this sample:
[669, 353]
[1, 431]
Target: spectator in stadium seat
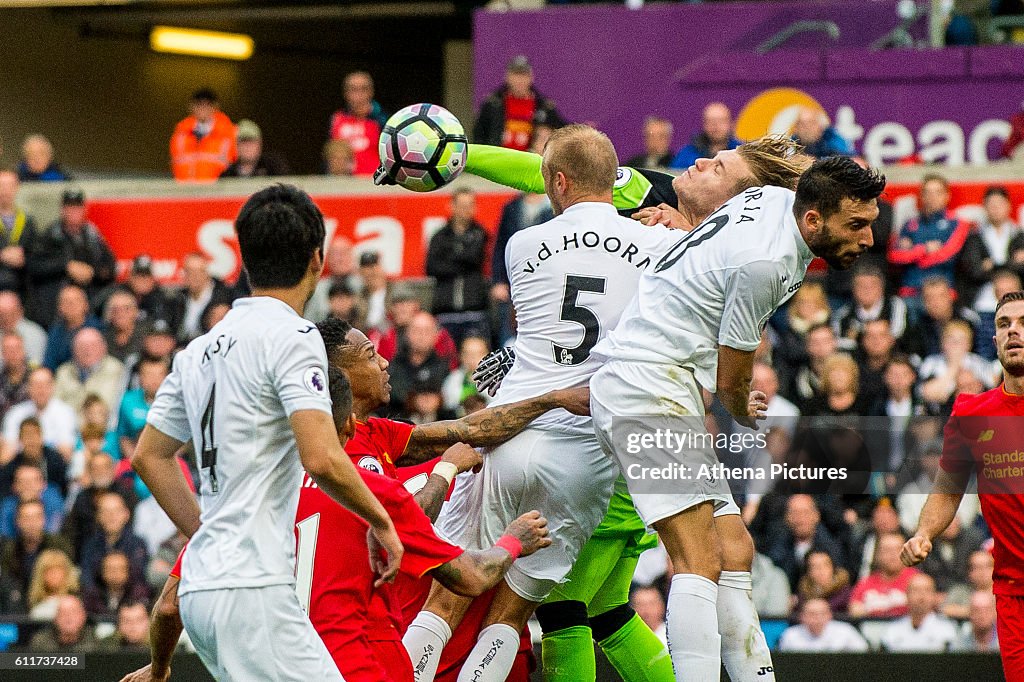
[123, 333]
[649, 603]
[425, 404]
[80, 523]
[53, 577]
[1003, 282]
[162, 560]
[716, 135]
[803, 532]
[37, 164]
[978, 634]
[193, 302]
[93, 443]
[524, 211]
[90, 370]
[30, 485]
[507, 118]
[459, 384]
[417, 362]
[883, 593]
[203, 143]
[158, 341]
[16, 229]
[339, 159]
[899, 404]
[814, 131]
[997, 242]
[153, 301]
[818, 632]
[18, 554]
[359, 122]
[869, 302]
[252, 161]
[15, 372]
[657, 145]
[806, 310]
[884, 521]
[939, 307]
[805, 377]
[376, 292]
[114, 587]
[949, 562]
[930, 244]
[341, 269]
[12, 321]
[938, 375]
[840, 389]
[69, 634]
[56, 416]
[69, 251]
[403, 307]
[131, 417]
[822, 579]
[35, 453]
[874, 351]
[112, 533]
[922, 630]
[72, 316]
[455, 259]
[132, 634]
[771, 592]
[95, 413]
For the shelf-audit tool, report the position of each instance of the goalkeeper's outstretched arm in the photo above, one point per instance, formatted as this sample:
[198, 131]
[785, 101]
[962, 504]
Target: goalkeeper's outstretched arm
[509, 167]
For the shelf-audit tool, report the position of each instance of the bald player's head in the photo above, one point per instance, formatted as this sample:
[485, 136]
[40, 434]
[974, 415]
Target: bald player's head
[579, 165]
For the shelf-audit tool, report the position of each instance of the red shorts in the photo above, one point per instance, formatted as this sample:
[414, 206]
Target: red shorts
[393, 657]
[464, 639]
[1010, 628]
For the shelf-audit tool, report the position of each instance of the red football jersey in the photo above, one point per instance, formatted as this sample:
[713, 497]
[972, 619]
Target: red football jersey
[378, 443]
[362, 135]
[333, 576]
[984, 433]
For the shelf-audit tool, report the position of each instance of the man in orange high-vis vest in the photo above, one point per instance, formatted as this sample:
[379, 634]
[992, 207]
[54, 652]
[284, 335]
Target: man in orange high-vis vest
[203, 144]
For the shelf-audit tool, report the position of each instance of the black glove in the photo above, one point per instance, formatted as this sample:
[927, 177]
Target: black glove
[381, 177]
[492, 369]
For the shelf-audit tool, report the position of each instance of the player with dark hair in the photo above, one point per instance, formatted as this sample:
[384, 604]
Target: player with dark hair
[251, 395]
[983, 436]
[695, 322]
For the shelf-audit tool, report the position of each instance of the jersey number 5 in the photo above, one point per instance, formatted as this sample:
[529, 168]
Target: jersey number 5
[581, 315]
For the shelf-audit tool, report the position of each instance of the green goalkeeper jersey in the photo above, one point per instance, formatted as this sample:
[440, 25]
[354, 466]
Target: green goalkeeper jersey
[635, 188]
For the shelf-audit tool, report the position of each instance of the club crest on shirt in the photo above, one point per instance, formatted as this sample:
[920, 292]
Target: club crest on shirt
[371, 464]
[315, 381]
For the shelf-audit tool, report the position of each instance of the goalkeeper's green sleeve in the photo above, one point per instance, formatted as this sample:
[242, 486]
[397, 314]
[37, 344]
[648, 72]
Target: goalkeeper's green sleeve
[509, 167]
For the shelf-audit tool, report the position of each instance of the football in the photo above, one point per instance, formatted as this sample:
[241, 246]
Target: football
[423, 147]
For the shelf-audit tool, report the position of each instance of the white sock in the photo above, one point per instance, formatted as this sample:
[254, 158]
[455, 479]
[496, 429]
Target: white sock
[492, 658]
[424, 640]
[744, 648]
[692, 619]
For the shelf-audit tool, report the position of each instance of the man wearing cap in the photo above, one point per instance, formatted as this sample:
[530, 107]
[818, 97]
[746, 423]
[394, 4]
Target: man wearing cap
[70, 251]
[203, 144]
[153, 301]
[508, 116]
[252, 162]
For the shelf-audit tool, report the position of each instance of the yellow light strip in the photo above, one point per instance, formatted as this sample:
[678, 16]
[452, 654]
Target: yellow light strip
[201, 43]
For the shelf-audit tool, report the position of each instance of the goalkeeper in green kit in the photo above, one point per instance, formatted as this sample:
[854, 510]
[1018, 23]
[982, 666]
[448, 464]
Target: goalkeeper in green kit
[593, 603]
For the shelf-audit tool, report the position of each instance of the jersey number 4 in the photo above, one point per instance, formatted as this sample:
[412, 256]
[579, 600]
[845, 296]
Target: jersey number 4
[208, 445]
[572, 311]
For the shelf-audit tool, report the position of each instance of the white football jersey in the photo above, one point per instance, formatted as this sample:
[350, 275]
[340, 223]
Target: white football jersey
[571, 278]
[718, 285]
[231, 393]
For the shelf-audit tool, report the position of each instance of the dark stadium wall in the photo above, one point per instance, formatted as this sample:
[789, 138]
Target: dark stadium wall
[109, 104]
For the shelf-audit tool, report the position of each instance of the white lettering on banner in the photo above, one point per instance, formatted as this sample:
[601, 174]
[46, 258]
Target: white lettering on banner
[431, 226]
[940, 141]
[384, 235]
[213, 237]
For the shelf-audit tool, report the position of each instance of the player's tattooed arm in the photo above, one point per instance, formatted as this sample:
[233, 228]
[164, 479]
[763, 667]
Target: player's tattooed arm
[431, 496]
[474, 572]
[491, 426]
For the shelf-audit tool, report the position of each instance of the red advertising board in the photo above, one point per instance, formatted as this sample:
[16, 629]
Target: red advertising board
[398, 226]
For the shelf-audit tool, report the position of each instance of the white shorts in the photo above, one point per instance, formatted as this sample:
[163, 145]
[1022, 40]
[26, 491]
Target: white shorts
[628, 389]
[565, 476]
[256, 633]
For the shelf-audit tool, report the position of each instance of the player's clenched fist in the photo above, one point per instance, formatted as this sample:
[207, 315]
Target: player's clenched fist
[575, 400]
[145, 675]
[462, 456]
[531, 529]
[915, 550]
[662, 214]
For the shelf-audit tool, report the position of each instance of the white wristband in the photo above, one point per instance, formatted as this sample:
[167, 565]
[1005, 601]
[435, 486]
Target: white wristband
[445, 470]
